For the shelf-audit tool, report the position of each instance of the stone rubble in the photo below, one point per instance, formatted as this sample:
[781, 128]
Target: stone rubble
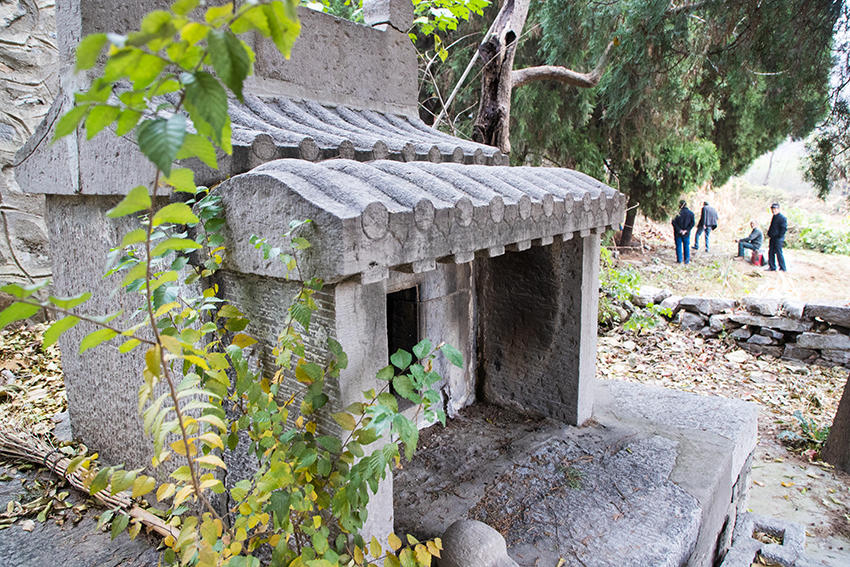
[814, 332]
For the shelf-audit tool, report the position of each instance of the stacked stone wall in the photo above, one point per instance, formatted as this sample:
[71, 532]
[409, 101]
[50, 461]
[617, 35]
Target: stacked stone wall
[811, 332]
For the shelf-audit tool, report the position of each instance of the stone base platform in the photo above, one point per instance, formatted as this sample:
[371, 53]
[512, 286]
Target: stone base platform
[656, 478]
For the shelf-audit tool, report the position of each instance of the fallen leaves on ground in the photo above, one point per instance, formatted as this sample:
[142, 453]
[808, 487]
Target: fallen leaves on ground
[667, 356]
[31, 386]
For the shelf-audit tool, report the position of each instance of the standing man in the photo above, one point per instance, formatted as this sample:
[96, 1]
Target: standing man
[707, 223]
[776, 234]
[682, 225]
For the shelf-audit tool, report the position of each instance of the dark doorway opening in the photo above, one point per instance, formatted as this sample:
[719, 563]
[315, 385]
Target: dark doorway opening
[403, 323]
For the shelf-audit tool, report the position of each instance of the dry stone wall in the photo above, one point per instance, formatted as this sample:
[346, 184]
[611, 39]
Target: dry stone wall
[811, 332]
[28, 84]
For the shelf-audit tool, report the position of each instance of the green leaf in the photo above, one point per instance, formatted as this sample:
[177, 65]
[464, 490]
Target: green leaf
[422, 349]
[127, 121]
[408, 433]
[100, 481]
[52, 334]
[175, 213]
[230, 59]
[129, 345]
[404, 388]
[386, 373]
[453, 354]
[134, 237]
[95, 338]
[119, 524]
[69, 121]
[70, 302]
[22, 292]
[89, 50]
[182, 179]
[193, 32]
[161, 138]
[174, 244]
[183, 7]
[195, 145]
[219, 14]
[332, 444]
[283, 27]
[16, 312]
[401, 359]
[345, 420]
[206, 100]
[136, 200]
[100, 117]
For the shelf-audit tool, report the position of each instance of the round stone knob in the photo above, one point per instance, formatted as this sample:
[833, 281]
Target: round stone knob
[524, 207]
[264, 147]
[423, 214]
[374, 220]
[497, 209]
[463, 211]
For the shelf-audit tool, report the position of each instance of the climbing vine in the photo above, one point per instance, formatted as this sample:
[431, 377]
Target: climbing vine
[167, 85]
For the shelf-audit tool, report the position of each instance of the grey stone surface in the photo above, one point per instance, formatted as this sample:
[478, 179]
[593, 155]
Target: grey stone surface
[741, 334]
[760, 340]
[707, 331]
[793, 309]
[762, 305]
[671, 303]
[650, 294]
[762, 349]
[538, 313]
[824, 341]
[691, 321]
[706, 305]
[722, 322]
[772, 333]
[789, 553]
[838, 356]
[780, 323]
[796, 352]
[835, 314]
[71, 545]
[470, 543]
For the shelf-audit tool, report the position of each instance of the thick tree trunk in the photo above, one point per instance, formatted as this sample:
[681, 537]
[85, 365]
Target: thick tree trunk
[836, 451]
[629, 224]
[497, 51]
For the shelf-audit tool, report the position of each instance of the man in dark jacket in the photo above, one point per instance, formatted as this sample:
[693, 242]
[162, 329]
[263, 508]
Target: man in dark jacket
[753, 241]
[776, 234]
[682, 225]
[707, 223]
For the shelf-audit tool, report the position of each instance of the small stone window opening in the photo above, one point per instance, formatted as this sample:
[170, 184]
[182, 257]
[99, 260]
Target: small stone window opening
[402, 324]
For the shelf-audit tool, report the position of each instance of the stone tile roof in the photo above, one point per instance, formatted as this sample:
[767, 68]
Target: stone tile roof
[371, 217]
[277, 127]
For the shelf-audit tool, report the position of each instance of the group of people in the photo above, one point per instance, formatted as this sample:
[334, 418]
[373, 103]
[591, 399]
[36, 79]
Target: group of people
[684, 222]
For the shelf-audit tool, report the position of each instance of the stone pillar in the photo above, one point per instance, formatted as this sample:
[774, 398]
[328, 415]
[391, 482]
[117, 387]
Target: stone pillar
[537, 330]
[361, 327]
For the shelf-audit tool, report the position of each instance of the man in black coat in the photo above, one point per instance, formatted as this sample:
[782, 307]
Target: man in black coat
[682, 225]
[776, 234]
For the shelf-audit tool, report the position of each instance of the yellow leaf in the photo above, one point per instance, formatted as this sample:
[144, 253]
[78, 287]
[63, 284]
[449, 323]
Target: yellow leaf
[310, 427]
[299, 423]
[212, 440]
[165, 309]
[787, 484]
[182, 495]
[242, 340]
[142, 485]
[212, 461]
[213, 420]
[171, 344]
[375, 547]
[165, 491]
[394, 541]
[432, 548]
[179, 447]
[422, 555]
[153, 360]
[358, 555]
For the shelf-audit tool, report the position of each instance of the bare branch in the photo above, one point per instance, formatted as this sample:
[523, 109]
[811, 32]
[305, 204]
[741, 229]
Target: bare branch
[521, 77]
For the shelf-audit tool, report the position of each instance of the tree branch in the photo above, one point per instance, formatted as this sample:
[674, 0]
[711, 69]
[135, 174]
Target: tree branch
[521, 77]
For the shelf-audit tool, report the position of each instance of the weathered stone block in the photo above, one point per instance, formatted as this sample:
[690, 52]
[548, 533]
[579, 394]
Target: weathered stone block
[834, 314]
[760, 340]
[671, 303]
[796, 352]
[762, 349]
[781, 323]
[709, 332]
[838, 356]
[819, 341]
[762, 306]
[741, 334]
[772, 333]
[793, 309]
[470, 543]
[650, 294]
[706, 305]
[722, 322]
[691, 321]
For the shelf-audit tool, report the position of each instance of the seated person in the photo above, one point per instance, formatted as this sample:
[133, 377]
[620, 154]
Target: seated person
[752, 242]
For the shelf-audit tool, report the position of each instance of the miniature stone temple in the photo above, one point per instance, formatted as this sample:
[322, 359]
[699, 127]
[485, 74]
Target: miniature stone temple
[415, 233]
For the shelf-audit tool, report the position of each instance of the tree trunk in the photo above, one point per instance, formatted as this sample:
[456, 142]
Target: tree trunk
[836, 451]
[629, 224]
[497, 51]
